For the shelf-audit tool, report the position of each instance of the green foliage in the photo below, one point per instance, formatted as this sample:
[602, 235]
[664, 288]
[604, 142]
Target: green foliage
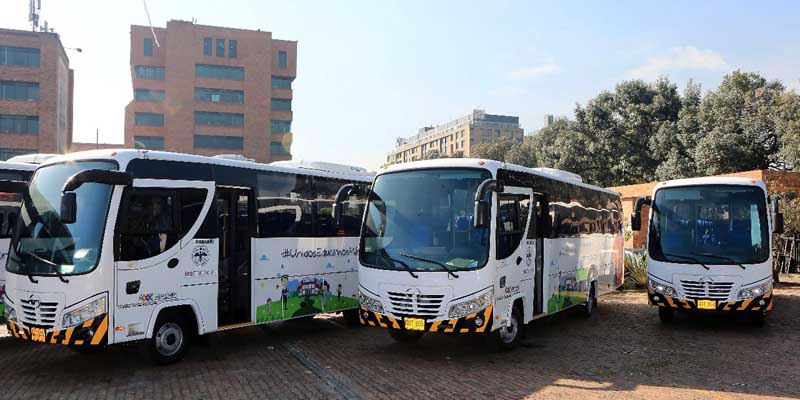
[635, 270]
[492, 151]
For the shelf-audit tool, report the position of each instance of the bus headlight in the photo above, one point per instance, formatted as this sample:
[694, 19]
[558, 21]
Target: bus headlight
[659, 287]
[10, 313]
[473, 305]
[370, 303]
[756, 290]
[84, 313]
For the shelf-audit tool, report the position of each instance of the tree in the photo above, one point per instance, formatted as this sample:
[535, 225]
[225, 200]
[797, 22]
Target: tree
[492, 151]
[431, 155]
[522, 154]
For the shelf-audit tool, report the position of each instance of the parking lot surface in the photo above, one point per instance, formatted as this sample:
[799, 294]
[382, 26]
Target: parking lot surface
[621, 352]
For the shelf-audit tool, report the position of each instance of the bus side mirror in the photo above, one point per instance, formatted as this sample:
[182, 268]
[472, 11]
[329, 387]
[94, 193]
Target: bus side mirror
[482, 214]
[482, 211]
[344, 192]
[636, 215]
[69, 207]
[777, 215]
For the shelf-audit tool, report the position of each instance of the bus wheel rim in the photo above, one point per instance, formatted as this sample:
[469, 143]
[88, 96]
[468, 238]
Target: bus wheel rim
[509, 333]
[169, 339]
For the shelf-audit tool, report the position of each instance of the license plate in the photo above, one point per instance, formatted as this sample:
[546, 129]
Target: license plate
[414, 324]
[37, 334]
[707, 304]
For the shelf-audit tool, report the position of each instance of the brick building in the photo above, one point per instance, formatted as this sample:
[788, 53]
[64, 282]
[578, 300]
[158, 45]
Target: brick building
[211, 90]
[457, 137]
[36, 86]
[777, 182]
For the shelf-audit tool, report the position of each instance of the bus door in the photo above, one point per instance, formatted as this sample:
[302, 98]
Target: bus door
[514, 254]
[234, 207]
[536, 232]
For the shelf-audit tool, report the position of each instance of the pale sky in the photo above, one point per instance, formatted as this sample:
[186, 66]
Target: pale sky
[370, 71]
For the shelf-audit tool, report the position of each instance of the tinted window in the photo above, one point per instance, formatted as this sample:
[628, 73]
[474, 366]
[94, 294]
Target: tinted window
[218, 142]
[284, 206]
[148, 142]
[512, 217]
[279, 148]
[219, 72]
[153, 96]
[14, 90]
[19, 56]
[281, 83]
[148, 224]
[233, 50]
[325, 191]
[145, 72]
[192, 201]
[218, 118]
[281, 105]
[207, 46]
[149, 119]
[148, 47]
[280, 126]
[218, 95]
[282, 59]
[19, 124]
[220, 47]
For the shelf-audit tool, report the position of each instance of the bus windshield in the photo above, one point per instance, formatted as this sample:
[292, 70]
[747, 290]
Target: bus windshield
[42, 244]
[421, 220]
[711, 224]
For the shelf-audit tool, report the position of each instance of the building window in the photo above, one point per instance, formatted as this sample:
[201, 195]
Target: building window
[218, 142]
[218, 95]
[207, 44]
[281, 83]
[281, 105]
[145, 72]
[282, 59]
[220, 47]
[19, 56]
[233, 50]
[218, 119]
[149, 119]
[278, 149]
[15, 90]
[5, 154]
[280, 126]
[19, 124]
[219, 72]
[148, 95]
[148, 47]
[148, 142]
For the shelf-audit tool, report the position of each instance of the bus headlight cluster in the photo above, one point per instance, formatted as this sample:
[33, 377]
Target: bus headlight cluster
[760, 289]
[370, 303]
[84, 313]
[659, 287]
[9, 313]
[473, 305]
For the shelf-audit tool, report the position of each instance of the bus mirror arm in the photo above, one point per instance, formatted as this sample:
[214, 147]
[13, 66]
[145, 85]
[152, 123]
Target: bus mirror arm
[777, 215]
[344, 192]
[482, 213]
[69, 201]
[636, 215]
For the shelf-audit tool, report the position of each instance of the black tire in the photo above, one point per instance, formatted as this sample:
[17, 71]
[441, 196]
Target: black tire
[666, 315]
[404, 336]
[351, 318]
[170, 340]
[508, 337]
[591, 301]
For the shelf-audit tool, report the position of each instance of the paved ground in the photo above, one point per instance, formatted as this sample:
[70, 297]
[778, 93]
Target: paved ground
[621, 352]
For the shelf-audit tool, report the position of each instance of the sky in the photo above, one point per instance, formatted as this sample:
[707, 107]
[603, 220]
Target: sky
[372, 71]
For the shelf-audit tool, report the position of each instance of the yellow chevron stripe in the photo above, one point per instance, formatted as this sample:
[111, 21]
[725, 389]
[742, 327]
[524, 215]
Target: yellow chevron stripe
[54, 336]
[452, 326]
[670, 302]
[101, 331]
[463, 330]
[487, 317]
[395, 324]
[88, 323]
[78, 342]
[380, 320]
[745, 304]
[68, 335]
[13, 328]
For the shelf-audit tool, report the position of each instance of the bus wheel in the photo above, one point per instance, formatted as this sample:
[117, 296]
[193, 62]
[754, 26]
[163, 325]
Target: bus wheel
[508, 337]
[404, 336]
[591, 302]
[170, 339]
[666, 314]
[351, 319]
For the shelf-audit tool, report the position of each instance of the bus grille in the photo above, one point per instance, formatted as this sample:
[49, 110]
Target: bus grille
[41, 314]
[706, 290]
[414, 304]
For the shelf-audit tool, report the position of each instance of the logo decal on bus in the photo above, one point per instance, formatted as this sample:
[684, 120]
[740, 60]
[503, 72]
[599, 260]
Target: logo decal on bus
[200, 256]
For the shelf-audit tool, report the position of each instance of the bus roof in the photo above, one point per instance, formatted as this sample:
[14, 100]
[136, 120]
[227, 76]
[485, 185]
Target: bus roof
[712, 180]
[17, 166]
[493, 167]
[125, 156]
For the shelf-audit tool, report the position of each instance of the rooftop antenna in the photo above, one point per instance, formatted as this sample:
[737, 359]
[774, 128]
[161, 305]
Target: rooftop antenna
[153, 31]
[34, 8]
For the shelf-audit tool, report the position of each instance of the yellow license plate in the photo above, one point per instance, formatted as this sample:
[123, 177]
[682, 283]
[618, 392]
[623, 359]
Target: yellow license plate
[37, 334]
[414, 324]
[707, 304]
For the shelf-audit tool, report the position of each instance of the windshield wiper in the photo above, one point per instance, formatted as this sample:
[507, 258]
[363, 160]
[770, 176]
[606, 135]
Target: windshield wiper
[692, 259]
[54, 265]
[385, 256]
[720, 258]
[20, 264]
[441, 264]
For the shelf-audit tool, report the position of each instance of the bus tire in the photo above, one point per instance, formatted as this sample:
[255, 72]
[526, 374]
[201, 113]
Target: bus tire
[351, 318]
[170, 339]
[591, 301]
[404, 336]
[666, 315]
[509, 336]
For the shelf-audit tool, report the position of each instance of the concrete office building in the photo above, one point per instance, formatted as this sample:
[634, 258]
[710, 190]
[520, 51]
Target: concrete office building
[456, 138]
[211, 90]
[36, 86]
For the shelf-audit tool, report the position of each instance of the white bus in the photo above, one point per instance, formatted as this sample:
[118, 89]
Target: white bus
[471, 246]
[709, 247]
[14, 179]
[124, 245]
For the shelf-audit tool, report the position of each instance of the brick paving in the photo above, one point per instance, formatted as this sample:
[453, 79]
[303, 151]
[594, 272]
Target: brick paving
[621, 352]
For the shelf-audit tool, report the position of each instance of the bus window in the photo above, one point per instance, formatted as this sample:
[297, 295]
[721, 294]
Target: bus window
[352, 209]
[147, 224]
[512, 215]
[284, 206]
[192, 201]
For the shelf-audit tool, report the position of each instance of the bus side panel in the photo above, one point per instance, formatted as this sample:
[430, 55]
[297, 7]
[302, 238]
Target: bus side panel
[4, 243]
[294, 277]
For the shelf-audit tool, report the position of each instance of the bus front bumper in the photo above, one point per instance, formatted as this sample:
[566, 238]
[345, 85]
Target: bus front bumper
[90, 333]
[478, 322]
[760, 303]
